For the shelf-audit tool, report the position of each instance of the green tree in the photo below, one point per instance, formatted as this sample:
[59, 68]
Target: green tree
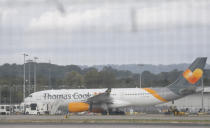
[74, 80]
[107, 79]
[91, 79]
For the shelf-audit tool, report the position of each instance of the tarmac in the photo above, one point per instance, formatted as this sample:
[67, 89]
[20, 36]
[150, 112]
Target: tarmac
[111, 119]
[102, 125]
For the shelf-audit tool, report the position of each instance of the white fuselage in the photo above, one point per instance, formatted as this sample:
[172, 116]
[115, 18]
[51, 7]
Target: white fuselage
[121, 97]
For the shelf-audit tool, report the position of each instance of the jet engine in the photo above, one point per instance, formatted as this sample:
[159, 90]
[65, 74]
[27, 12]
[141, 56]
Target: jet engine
[78, 107]
[82, 106]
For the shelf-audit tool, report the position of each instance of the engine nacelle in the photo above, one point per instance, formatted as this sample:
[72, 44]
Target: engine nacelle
[81, 107]
[96, 108]
[78, 107]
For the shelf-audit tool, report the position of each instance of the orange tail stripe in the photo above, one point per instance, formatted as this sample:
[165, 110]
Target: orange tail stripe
[154, 93]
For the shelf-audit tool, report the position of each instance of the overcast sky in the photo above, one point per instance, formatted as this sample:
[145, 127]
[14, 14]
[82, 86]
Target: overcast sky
[92, 32]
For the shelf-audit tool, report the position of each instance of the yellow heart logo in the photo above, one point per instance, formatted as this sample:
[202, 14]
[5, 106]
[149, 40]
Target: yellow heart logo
[193, 77]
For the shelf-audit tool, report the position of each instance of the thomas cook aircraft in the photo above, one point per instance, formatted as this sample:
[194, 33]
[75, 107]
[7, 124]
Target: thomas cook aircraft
[97, 100]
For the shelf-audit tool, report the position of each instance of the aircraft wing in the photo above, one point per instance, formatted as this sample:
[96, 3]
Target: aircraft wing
[101, 98]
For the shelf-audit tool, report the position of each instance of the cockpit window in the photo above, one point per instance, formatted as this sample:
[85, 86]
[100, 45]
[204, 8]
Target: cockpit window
[30, 96]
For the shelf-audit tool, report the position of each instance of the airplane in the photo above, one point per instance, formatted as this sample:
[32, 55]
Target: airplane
[98, 100]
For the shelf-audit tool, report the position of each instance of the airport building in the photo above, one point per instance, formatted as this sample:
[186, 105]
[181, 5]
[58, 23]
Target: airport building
[192, 102]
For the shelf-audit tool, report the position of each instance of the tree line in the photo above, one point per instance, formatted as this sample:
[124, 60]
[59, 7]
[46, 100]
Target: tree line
[51, 76]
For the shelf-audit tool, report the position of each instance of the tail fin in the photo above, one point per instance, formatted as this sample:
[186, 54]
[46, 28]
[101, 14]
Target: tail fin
[190, 78]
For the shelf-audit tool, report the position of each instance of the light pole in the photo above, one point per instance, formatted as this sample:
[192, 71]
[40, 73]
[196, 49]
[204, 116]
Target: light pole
[29, 74]
[140, 80]
[140, 65]
[0, 94]
[202, 93]
[50, 87]
[10, 99]
[35, 58]
[24, 76]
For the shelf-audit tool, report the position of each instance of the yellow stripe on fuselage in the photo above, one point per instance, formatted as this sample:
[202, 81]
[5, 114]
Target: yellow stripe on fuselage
[154, 93]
